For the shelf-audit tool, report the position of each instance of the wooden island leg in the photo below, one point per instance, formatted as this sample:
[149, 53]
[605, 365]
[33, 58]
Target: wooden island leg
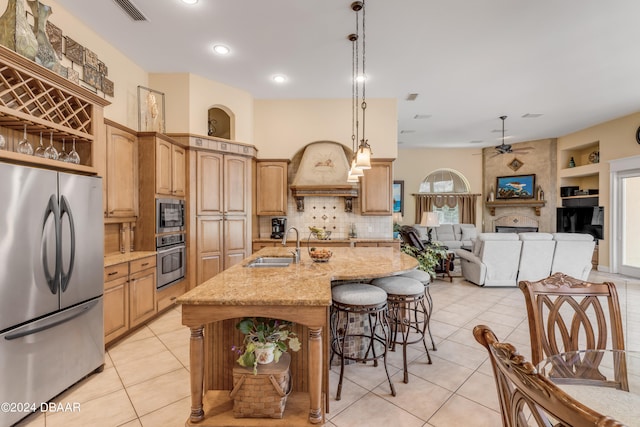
[196, 363]
[315, 375]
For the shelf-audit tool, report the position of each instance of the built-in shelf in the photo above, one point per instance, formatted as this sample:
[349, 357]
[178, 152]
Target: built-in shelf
[516, 203]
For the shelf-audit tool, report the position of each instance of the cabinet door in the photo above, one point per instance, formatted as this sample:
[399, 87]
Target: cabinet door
[209, 180]
[116, 308]
[271, 188]
[142, 296]
[376, 189]
[163, 166]
[209, 247]
[178, 170]
[122, 174]
[236, 185]
[235, 240]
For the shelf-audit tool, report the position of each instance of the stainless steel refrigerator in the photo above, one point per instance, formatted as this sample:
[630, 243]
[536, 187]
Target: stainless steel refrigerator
[51, 284]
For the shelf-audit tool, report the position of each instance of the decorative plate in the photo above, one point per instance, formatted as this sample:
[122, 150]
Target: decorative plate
[594, 157]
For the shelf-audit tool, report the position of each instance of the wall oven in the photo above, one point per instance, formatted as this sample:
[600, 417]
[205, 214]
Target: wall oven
[169, 215]
[171, 259]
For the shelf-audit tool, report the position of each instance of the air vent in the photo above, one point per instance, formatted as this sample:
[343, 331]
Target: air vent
[412, 96]
[531, 115]
[131, 10]
[407, 131]
[422, 116]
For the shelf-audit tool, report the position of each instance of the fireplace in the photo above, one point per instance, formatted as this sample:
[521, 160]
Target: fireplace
[515, 224]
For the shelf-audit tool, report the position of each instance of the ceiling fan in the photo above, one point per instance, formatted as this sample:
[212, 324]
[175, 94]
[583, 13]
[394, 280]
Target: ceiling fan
[506, 148]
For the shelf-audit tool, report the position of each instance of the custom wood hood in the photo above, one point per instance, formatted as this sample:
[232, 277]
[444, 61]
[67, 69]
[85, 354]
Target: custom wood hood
[322, 171]
[346, 191]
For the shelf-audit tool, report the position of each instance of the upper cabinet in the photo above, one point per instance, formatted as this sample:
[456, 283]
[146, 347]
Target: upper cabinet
[271, 187]
[45, 102]
[121, 181]
[170, 168]
[376, 188]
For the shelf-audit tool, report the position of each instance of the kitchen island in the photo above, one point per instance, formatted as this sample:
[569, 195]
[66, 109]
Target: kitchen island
[300, 293]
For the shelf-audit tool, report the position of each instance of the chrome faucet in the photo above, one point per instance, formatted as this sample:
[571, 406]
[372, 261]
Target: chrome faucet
[296, 253]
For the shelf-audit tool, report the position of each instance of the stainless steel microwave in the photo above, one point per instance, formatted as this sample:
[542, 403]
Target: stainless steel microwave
[169, 215]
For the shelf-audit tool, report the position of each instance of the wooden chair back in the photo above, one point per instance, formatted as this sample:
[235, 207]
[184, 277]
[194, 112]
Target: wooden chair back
[528, 398]
[568, 315]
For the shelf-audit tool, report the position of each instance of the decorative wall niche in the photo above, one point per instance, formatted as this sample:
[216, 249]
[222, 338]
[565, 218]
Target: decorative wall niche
[219, 123]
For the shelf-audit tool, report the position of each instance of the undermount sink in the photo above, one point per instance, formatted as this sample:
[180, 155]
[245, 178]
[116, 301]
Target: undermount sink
[268, 261]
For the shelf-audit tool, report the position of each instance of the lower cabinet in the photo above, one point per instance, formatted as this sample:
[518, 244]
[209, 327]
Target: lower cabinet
[129, 296]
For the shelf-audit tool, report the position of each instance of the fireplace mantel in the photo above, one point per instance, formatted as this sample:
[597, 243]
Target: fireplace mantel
[515, 203]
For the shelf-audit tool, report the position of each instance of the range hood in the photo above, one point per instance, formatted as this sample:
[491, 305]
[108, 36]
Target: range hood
[322, 171]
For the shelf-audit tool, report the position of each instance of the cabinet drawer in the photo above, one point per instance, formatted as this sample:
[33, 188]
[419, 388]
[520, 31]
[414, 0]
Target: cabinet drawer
[167, 297]
[115, 283]
[117, 271]
[143, 264]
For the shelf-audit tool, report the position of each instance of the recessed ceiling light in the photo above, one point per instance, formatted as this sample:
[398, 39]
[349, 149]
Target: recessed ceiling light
[279, 78]
[190, 1]
[361, 78]
[221, 49]
[422, 116]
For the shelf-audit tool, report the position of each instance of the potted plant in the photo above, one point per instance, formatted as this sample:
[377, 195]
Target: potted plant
[264, 341]
[429, 258]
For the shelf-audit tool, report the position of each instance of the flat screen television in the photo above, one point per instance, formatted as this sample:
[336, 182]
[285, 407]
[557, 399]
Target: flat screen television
[586, 219]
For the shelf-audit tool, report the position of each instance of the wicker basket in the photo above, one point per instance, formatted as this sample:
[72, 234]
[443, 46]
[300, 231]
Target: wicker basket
[263, 395]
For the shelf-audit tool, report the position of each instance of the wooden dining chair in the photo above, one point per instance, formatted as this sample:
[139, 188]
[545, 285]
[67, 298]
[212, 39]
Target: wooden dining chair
[568, 315]
[528, 398]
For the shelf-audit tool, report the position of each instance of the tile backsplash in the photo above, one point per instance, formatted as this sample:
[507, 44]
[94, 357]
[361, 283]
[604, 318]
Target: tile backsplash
[328, 213]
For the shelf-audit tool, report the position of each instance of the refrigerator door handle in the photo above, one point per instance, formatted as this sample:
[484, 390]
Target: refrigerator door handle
[50, 323]
[52, 208]
[66, 276]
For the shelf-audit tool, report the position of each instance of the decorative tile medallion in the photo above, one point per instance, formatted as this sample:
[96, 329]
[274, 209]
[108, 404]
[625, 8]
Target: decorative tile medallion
[91, 76]
[54, 34]
[74, 51]
[515, 164]
[107, 86]
[90, 58]
[73, 75]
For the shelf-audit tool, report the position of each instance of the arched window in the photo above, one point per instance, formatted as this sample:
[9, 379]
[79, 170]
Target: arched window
[446, 192]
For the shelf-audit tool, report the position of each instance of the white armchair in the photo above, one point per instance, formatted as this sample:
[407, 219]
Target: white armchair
[536, 256]
[573, 254]
[494, 260]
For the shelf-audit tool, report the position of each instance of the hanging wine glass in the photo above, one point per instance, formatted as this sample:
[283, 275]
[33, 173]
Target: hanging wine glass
[3, 142]
[50, 152]
[63, 156]
[24, 146]
[40, 149]
[74, 157]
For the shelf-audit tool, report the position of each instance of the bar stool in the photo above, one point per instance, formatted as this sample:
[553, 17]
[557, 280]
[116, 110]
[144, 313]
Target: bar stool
[425, 278]
[405, 297]
[350, 301]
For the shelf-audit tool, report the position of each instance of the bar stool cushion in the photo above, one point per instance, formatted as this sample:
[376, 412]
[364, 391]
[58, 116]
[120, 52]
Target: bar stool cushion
[397, 285]
[358, 294]
[419, 275]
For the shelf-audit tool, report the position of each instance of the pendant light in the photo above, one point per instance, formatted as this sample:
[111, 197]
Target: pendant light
[363, 155]
[354, 172]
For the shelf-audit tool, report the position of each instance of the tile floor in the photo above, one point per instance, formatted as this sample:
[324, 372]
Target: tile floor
[146, 380]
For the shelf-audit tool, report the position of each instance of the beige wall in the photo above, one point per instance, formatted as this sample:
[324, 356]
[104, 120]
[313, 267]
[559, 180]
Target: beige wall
[283, 126]
[617, 141]
[124, 72]
[413, 165]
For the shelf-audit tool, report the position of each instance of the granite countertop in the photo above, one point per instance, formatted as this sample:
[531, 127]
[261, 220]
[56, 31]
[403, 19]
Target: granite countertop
[119, 258]
[307, 283]
[291, 238]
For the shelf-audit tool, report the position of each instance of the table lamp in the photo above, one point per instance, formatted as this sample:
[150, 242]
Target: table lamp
[430, 220]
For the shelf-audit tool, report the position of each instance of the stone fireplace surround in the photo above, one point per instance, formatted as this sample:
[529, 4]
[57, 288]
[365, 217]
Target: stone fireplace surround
[541, 161]
[515, 224]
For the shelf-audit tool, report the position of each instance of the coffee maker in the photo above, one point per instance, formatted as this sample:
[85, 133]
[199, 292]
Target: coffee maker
[278, 226]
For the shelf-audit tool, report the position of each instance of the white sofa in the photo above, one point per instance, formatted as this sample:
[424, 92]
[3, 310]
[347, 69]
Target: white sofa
[536, 256]
[573, 254]
[493, 261]
[453, 236]
[504, 259]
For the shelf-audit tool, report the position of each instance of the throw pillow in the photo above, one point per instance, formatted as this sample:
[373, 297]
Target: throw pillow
[469, 234]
